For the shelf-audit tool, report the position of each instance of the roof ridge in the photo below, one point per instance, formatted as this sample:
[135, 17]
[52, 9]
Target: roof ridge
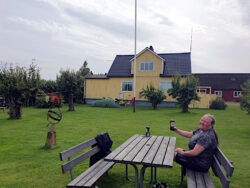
[221, 73]
[159, 53]
[174, 53]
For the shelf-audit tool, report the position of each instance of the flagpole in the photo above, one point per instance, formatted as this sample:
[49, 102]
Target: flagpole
[134, 84]
[191, 39]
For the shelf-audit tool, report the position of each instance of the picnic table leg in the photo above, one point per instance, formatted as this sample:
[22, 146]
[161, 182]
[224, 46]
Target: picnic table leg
[136, 176]
[142, 172]
[155, 175]
[127, 173]
[151, 177]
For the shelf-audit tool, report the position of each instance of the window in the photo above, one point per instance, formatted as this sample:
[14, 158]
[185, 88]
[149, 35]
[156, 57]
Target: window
[164, 86]
[127, 86]
[218, 93]
[237, 93]
[147, 66]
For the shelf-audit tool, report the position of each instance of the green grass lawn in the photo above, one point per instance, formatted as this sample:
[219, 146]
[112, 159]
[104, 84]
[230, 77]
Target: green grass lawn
[25, 163]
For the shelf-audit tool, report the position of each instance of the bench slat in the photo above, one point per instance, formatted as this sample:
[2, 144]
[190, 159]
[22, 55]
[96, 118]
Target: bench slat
[76, 149]
[99, 174]
[208, 180]
[69, 165]
[191, 182]
[224, 162]
[219, 172]
[200, 183]
[91, 175]
[84, 174]
[168, 160]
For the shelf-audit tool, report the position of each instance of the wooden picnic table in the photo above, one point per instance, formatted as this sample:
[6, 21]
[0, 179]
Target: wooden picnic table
[149, 151]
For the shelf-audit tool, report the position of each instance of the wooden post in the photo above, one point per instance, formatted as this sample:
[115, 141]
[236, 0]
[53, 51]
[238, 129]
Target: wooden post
[51, 140]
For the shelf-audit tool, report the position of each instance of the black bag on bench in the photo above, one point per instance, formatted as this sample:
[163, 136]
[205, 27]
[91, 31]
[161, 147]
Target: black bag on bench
[104, 143]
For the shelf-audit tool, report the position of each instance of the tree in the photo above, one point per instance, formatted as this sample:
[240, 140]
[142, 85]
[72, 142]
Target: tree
[84, 70]
[12, 86]
[48, 86]
[155, 96]
[32, 83]
[184, 92]
[81, 73]
[67, 84]
[245, 98]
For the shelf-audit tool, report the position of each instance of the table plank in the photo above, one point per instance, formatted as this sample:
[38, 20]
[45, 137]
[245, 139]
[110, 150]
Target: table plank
[169, 157]
[158, 160]
[148, 159]
[120, 148]
[131, 155]
[141, 154]
[127, 149]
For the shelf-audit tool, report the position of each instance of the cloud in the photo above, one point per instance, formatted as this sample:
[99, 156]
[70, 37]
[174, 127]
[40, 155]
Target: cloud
[63, 33]
[109, 24]
[245, 6]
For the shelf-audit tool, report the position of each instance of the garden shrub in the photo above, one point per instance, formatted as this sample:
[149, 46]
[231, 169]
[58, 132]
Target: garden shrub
[106, 103]
[218, 104]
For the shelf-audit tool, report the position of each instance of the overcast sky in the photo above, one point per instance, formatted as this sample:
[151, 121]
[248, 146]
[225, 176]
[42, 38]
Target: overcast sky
[61, 34]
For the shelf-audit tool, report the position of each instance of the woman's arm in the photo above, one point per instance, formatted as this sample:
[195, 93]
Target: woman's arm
[183, 133]
[191, 153]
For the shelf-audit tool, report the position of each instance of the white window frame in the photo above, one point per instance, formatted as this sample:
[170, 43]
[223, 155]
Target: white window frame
[218, 93]
[163, 89]
[146, 63]
[236, 94]
[127, 83]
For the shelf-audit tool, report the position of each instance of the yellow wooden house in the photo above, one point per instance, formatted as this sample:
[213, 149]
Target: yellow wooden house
[151, 68]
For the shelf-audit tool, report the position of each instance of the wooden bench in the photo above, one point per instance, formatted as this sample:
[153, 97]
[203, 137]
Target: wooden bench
[93, 173]
[203, 180]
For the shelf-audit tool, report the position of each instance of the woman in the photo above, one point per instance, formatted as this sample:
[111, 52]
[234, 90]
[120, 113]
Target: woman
[202, 145]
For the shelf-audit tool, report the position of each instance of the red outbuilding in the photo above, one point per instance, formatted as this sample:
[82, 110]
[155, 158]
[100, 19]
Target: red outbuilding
[226, 85]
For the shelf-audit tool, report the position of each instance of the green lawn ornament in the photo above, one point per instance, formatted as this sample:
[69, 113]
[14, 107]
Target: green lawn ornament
[53, 117]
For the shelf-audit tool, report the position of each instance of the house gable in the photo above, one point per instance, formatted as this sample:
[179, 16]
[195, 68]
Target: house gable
[147, 56]
[173, 63]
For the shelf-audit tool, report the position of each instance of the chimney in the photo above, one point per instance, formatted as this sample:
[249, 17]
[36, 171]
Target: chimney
[151, 48]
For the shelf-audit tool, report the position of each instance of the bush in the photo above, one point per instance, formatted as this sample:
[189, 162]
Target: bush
[106, 103]
[218, 104]
[245, 98]
[43, 104]
[154, 96]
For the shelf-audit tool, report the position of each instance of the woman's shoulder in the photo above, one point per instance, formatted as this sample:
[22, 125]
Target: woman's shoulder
[196, 131]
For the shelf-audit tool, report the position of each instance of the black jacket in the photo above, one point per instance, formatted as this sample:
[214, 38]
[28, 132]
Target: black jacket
[104, 143]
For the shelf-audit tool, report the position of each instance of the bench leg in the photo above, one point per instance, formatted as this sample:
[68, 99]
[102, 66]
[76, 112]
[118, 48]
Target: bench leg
[183, 173]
